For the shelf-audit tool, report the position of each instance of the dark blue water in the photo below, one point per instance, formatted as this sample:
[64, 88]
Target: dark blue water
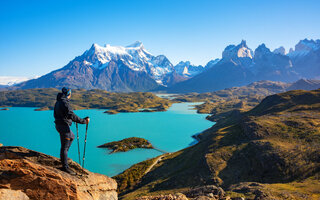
[169, 131]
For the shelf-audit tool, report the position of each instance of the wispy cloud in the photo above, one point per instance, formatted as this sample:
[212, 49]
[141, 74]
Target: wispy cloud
[11, 80]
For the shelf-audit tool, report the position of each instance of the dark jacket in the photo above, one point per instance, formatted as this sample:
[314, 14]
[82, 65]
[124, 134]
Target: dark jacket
[63, 113]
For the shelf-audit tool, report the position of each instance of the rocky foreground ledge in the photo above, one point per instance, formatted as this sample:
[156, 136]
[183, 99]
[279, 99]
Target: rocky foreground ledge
[27, 174]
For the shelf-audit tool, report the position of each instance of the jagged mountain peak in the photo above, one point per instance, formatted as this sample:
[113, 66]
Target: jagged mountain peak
[105, 52]
[186, 69]
[234, 52]
[307, 45]
[262, 47]
[261, 50]
[291, 50]
[134, 56]
[184, 63]
[243, 43]
[281, 50]
[304, 47]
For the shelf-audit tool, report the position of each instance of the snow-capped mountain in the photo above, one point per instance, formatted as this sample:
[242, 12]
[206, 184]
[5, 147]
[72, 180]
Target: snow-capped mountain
[186, 69]
[306, 58]
[135, 56]
[112, 68]
[304, 47]
[240, 54]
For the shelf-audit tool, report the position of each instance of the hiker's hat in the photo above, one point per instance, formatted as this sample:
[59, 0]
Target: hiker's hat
[66, 91]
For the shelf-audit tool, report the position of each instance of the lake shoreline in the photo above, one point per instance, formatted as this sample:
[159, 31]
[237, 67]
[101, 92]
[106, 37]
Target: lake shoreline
[168, 131]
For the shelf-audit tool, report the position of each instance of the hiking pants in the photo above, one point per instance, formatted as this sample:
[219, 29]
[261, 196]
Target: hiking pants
[66, 138]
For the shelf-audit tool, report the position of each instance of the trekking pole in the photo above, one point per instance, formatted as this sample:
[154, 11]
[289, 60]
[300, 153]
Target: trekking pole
[84, 150]
[78, 143]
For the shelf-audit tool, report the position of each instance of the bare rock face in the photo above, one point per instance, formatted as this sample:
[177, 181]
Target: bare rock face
[27, 173]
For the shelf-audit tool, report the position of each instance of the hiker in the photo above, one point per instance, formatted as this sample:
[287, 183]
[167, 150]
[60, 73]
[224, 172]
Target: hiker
[64, 116]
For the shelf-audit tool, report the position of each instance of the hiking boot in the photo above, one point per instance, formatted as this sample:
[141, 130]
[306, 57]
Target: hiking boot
[68, 170]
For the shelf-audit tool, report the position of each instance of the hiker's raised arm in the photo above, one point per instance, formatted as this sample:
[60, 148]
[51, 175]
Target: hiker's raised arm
[74, 117]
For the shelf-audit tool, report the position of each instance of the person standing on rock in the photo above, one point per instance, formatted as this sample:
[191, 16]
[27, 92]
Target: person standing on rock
[64, 116]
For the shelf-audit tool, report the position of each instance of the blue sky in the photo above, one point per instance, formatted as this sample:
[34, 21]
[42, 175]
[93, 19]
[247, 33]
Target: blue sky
[37, 37]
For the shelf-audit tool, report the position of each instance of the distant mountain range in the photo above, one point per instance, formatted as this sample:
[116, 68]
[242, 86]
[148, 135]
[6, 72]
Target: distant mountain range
[133, 68]
[240, 66]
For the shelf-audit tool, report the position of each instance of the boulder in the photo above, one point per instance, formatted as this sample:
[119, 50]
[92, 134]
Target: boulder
[8, 194]
[210, 191]
[38, 176]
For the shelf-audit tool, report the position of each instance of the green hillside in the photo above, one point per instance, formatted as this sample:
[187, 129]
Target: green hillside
[276, 145]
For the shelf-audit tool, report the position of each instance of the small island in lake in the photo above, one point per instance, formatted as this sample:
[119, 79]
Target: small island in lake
[127, 144]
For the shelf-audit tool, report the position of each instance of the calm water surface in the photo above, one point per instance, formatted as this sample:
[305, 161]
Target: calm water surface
[169, 131]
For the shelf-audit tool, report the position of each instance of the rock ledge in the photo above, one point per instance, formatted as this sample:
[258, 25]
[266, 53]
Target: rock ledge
[38, 176]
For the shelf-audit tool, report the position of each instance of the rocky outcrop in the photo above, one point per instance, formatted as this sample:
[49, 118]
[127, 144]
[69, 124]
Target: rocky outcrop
[26, 173]
[259, 190]
[206, 192]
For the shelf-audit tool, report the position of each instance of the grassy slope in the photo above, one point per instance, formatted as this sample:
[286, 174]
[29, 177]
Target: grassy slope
[84, 99]
[277, 144]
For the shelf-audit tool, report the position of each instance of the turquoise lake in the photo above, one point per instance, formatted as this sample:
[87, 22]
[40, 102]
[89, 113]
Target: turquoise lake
[169, 131]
